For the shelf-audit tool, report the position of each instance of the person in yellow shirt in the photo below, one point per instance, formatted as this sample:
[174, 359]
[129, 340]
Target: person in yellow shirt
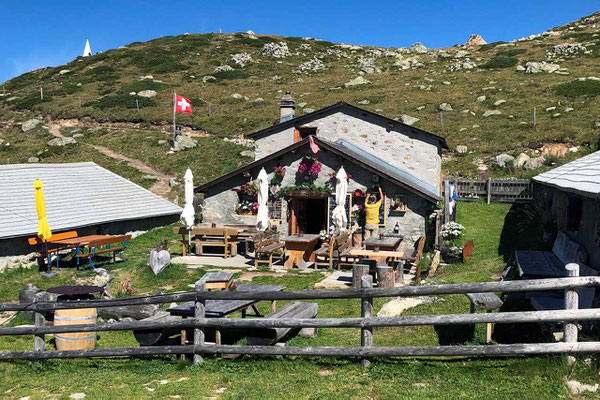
[372, 207]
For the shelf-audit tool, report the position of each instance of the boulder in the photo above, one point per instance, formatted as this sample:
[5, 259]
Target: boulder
[64, 71]
[503, 160]
[367, 65]
[33, 160]
[30, 124]
[277, 50]
[417, 47]
[499, 102]
[460, 54]
[31, 293]
[480, 99]
[359, 80]
[134, 312]
[242, 59]
[576, 387]
[475, 40]
[61, 141]
[237, 96]
[521, 160]
[534, 67]
[222, 68]
[313, 65]
[183, 142]
[159, 260]
[408, 120]
[597, 123]
[208, 78]
[461, 149]
[147, 93]
[445, 107]
[489, 113]
[534, 163]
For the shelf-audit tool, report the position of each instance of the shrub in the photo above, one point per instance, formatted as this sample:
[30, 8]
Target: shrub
[67, 88]
[588, 87]
[501, 62]
[121, 100]
[101, 73]
[259, 42]
[490, 46]
[511, 52]
[145, 84]
[29, 101]
[235, 74]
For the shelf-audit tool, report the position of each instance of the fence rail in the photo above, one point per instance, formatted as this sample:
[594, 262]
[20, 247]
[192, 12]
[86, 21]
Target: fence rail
[569, 317]
[492, 190]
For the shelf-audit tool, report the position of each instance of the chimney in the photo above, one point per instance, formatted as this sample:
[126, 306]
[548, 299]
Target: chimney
[287, 106]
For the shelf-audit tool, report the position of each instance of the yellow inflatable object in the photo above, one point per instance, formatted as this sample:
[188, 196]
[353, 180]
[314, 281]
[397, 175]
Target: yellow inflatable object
[44, 231]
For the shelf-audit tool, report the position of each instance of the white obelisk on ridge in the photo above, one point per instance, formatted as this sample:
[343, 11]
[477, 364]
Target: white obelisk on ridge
[87, 51]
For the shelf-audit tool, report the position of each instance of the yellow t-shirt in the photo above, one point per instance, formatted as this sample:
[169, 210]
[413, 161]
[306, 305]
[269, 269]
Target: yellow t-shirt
[372, 211]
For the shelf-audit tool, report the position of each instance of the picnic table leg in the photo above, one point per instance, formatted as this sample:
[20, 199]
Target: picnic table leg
[183, 341]
[488, 330]
[273, 305]
[244, 310]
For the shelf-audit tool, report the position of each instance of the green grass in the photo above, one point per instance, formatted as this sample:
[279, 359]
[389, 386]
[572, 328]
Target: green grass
[588, 88]
[297, 377]
[501, 61]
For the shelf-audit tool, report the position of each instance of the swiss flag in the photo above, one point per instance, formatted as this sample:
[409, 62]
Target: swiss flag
[182, 105]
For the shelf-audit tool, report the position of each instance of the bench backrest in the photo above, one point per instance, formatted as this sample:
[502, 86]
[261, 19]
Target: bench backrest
[568, 251]
[113, 240]
[420, 248]
[56, 236]
[262, 239]
[343, 241]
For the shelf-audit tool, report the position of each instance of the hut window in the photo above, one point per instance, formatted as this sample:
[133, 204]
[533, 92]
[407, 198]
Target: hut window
[574, 206]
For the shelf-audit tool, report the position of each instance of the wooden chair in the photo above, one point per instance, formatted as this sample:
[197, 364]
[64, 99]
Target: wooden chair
[344, 247]
[225, 238]
[416, 259]
[265, 245]
[326, 256]
[105, 246]
[468, 251]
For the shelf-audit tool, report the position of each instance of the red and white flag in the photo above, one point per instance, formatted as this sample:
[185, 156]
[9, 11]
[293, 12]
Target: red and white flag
[182, 105]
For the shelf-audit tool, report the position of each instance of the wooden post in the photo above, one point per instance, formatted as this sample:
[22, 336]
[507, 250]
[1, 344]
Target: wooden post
[534, 117]
[446, 201]
[385, 276]
[198, 332]
[40, 321]
[489, 190]
[41, 93]
[137, 105]
[366, 311]
[358, 271]
[571, 303]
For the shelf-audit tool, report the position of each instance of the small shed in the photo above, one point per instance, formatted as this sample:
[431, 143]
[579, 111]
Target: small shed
[79, 196]
[571, 193]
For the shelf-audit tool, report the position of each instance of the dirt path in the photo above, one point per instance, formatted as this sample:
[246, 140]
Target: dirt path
[160, 187]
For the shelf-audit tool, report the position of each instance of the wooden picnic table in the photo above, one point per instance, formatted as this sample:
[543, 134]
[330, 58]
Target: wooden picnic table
[76, 243]
[382, 258]
[387, 243]
[222, 308]
[300, 249]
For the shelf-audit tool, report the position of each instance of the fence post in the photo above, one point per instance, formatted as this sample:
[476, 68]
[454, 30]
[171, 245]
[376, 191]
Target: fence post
[40, 321]
[366, 311]
[571, 303]
[198, 331]
[489, 190]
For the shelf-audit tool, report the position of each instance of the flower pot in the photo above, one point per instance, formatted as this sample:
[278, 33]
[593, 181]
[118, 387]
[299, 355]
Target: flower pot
[451, 255]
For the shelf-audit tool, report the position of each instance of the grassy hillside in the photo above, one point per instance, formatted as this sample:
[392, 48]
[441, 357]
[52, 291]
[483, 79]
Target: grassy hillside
[104, 87]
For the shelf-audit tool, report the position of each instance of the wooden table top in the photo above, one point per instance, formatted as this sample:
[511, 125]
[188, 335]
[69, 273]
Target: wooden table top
[306, 238]
[371, 253]
[386, 242]
[80, 240]
[221, 308]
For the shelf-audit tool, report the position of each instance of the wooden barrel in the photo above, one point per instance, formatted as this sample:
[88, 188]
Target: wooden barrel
[78, 340]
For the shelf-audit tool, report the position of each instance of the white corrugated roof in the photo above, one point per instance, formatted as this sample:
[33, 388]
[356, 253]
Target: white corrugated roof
[581, 176]
[77, 195]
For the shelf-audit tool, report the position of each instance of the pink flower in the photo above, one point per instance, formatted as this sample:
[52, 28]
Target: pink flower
[122, 283]
[128, 279]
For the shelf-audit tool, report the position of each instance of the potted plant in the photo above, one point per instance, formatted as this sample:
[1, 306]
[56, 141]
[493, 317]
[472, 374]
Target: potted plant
[246, 207]
[451, 232]
[310, 168]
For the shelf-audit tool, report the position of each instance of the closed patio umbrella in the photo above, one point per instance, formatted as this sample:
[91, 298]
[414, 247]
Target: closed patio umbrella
[339, 217]
[262, 217]
[188, 214]
[44, 231]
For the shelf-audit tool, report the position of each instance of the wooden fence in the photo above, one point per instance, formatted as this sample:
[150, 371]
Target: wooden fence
[497, 190]
[366, 322]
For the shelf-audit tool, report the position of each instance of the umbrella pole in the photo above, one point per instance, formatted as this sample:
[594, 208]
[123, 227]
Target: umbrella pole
[48, 273]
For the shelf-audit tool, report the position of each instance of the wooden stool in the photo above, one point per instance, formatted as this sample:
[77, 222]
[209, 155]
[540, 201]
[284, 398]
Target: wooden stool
[488, 302]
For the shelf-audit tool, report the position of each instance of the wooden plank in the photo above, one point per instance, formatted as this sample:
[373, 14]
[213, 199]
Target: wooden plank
[370, 253]
[266, 293]
[291, 311]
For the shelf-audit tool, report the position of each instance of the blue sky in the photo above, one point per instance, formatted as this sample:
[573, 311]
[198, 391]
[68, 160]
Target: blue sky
[39, 33]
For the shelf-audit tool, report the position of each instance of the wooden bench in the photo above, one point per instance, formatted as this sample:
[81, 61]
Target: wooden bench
[265, 245]
[225, 238]
[327, 255]
[105, 246]
[271, 336]
[51, 247]
[551, 264]
[219, 280]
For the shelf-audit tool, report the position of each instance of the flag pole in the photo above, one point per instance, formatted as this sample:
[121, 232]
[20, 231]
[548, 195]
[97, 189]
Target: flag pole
[174, 105]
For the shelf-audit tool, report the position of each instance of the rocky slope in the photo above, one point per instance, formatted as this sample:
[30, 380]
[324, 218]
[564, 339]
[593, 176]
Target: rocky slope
[482, 97]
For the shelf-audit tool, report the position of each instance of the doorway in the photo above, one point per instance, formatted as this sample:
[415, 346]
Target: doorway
[308, 215]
